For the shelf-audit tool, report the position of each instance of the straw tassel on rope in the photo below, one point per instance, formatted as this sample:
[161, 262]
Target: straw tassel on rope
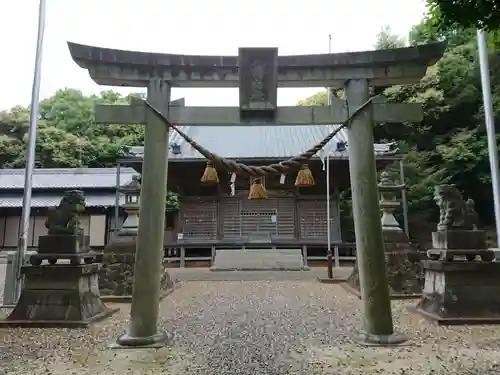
[257, 190]
[305, 177]
[210, 176]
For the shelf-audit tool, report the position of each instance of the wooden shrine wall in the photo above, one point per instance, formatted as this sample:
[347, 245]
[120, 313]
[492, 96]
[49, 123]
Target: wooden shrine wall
[198, 220]
[275, 219]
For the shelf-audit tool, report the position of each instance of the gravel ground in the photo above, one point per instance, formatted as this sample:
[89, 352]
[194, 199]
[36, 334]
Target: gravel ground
[261, 327]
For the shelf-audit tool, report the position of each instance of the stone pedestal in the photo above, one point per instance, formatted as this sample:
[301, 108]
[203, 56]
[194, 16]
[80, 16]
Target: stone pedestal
[72, 247]
[63, 244]
[448, 244]
[59, 296]
[461, 292]
[116, 276]
[404, 269]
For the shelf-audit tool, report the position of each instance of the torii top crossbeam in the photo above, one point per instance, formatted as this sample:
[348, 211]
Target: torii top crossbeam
[382, 68]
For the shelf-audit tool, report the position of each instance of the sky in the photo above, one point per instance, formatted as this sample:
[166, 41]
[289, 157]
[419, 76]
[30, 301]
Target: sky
[197, 27]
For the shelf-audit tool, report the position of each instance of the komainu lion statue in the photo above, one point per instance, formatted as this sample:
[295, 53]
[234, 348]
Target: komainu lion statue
[65, 218]
[454, 212]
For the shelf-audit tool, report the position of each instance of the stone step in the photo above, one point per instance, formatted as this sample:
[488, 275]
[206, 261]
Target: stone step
[258, 259]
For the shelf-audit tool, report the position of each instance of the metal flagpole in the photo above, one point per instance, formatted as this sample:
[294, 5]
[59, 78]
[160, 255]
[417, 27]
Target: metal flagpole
[328, 229]
[328, 224]
[30, 160]
[490, 126]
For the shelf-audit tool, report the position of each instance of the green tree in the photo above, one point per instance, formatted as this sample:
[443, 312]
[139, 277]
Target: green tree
[387, 39]
[15, 122]
[318, 99]
[72, 111]
[67, 133]
[465, 13]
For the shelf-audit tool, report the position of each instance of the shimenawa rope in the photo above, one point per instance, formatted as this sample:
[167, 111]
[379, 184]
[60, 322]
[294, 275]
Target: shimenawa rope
[283, 167]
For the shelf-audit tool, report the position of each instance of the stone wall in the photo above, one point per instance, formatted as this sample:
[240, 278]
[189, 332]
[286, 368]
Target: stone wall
[404, 271]
[117, 273]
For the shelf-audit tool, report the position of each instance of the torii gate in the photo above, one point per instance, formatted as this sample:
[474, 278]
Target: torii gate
[258, 72]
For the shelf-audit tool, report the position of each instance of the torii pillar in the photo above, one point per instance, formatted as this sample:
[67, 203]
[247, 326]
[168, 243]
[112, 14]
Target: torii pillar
[260, 71]
[378, 325]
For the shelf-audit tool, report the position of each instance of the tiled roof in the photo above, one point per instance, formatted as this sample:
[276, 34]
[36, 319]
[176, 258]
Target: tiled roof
[66, 178]
[52, 200]
[241, 142]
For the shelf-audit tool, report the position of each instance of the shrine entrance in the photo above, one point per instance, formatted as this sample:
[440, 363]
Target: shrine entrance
[258, 224]
[258, 72]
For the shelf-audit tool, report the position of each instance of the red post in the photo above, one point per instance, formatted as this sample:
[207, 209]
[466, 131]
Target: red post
[330, 264]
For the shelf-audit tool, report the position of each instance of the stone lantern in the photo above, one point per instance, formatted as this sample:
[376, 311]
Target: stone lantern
[116, 277]
[388, 202]
[132, 192]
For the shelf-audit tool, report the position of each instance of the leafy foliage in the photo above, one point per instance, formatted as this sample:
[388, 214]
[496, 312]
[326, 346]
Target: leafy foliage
[318, 99]
[387, 39]
[466, 13]
[172, 201]
[67, 135]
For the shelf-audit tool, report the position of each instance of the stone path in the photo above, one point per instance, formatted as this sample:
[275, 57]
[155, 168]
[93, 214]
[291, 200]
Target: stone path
[255, 327]
[204, 274]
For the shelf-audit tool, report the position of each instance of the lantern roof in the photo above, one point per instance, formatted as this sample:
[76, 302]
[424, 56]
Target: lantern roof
[133, 186]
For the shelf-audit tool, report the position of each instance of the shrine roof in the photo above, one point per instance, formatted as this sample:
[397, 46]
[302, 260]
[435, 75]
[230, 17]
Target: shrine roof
[259, 142]
[66, 178]
[12, 200]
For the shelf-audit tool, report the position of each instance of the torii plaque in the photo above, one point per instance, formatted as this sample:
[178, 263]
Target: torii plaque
[355, 72]
[258, 83]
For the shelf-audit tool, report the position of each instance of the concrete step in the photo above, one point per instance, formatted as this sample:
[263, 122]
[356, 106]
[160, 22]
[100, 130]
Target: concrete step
[258, 259]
